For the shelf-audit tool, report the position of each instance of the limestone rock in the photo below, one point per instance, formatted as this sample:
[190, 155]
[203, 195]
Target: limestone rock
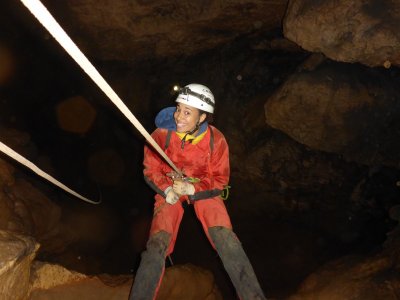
[340, 108]
[18, 141]
[51, 281]
[357, 278]
[23, 208]
[179, 282]
[352, 278]
[364, 31]
[34, 212]
[132, 31]
[16, 255]
[281, 162]
[188, 282]
[6, 173]
[47, 276]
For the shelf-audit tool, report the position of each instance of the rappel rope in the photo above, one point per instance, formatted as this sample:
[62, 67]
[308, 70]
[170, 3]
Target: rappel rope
[19, 158]
[47, 20]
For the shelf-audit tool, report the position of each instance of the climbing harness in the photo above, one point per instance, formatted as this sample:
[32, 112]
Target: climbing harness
[181, 176]
[47, 20]
[225, 192]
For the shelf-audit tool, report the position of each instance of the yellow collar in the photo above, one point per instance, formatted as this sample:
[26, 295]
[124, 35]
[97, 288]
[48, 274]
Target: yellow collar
[194, 139]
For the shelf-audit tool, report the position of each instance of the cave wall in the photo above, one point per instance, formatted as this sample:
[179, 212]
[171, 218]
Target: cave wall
[306, 96]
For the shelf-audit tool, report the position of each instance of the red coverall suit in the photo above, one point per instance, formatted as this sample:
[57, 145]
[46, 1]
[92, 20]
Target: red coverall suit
[198, 161]
[210, 164]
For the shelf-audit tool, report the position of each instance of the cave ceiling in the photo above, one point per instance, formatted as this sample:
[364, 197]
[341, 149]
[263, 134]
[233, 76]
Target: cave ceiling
[136, 30]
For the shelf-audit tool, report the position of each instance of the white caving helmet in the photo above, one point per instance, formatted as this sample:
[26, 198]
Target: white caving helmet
[196, 95]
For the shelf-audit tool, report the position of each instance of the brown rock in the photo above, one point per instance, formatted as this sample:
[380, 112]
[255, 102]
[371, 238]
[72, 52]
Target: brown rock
[356, 278]
[36, 211]
[280, 158]
[342, 109]
[121, 30]
[16, 255]
[6, 173]
[6, 211]
[188, 282]
[55, 282]
[364, 31]
[46, 276]
[28, 211]
[18, 141]
[179, 282]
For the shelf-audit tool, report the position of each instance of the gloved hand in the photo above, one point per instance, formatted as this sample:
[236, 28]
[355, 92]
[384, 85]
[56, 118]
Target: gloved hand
[171, 196]
[183, 188]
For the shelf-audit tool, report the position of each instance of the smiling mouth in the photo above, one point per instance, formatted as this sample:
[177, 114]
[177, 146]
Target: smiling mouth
[180, 125]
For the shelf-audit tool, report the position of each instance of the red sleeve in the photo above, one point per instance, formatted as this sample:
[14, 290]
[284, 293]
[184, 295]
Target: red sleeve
[154, 165]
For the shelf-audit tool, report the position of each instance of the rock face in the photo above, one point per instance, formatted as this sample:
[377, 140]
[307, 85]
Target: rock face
[23, 208]
[188, 282]
[135, 30]
[20, 279]
[364, 31]
[342, 109]
[16, 255]
[179, 282]
[366, 278]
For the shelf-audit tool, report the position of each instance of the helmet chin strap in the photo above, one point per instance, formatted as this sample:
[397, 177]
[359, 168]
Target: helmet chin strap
[190, 133]
[195, 128]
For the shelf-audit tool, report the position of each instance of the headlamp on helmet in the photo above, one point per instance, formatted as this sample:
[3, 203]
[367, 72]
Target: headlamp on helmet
[196, 95]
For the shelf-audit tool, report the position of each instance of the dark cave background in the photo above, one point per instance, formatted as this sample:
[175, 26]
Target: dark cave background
[284, 241]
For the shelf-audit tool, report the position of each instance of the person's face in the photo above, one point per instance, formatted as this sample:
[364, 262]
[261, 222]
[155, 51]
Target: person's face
[186, 117]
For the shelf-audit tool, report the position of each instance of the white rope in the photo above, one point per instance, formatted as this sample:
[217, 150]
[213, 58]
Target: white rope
[11, 153]
[47, 20]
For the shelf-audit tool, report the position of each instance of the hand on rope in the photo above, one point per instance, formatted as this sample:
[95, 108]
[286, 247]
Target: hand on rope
[183, 188]
[171, 196]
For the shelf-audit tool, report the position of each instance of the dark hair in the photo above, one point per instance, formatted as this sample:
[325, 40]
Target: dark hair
[209, 116]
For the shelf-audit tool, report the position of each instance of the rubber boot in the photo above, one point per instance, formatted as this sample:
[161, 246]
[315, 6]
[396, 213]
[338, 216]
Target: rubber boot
[236, 263]
[151, 268]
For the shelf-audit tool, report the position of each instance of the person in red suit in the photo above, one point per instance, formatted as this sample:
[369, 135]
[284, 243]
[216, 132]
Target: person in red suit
[201, 152]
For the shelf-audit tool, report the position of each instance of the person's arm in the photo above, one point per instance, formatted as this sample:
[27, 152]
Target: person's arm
[153, 166]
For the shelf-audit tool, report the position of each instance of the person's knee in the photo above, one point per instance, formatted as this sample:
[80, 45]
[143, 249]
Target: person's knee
[222, 236]
[158, 243]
